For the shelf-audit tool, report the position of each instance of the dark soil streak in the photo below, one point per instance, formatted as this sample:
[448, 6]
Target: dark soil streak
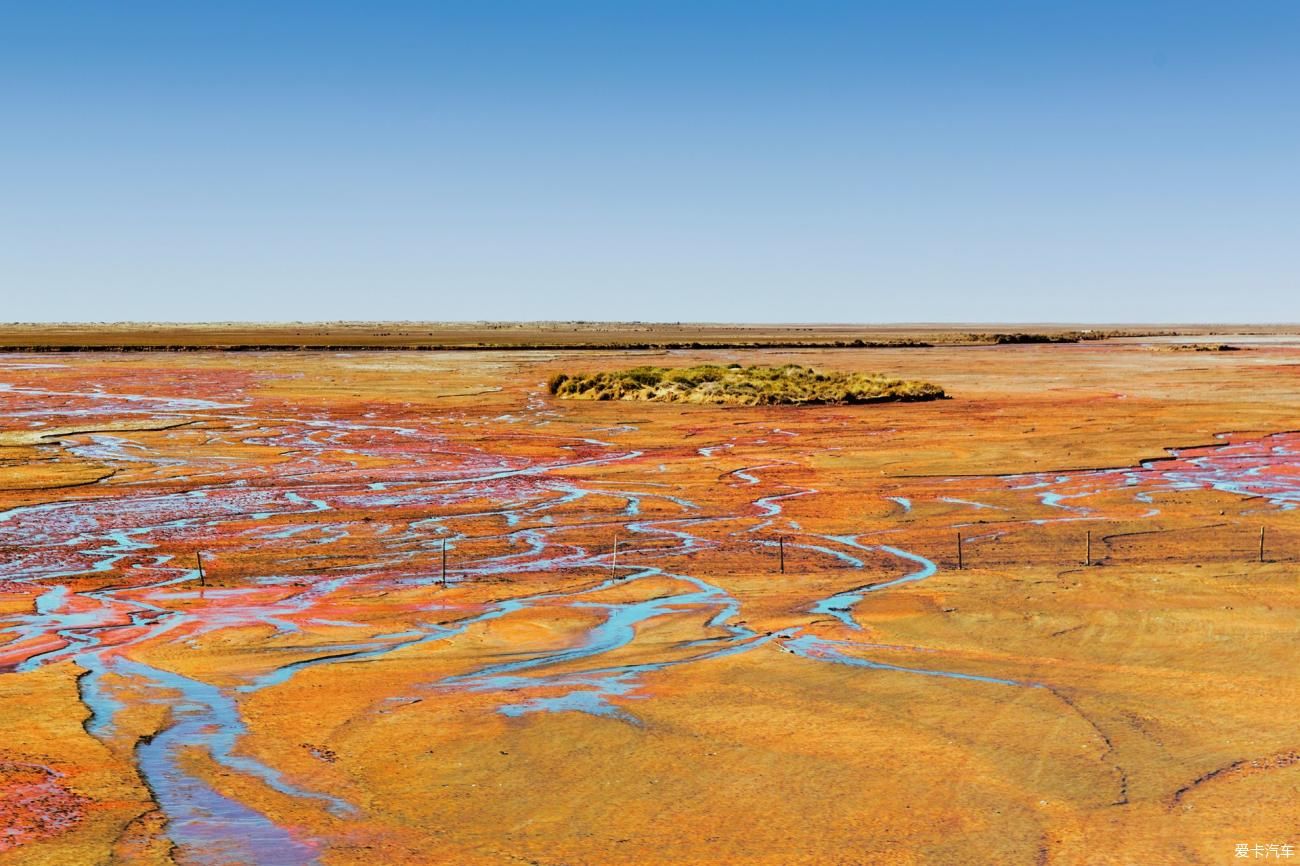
[1108, 755]
[1243, 767]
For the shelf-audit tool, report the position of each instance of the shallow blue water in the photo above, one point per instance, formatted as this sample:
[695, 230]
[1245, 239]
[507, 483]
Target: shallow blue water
[841, 604]
[822, 650]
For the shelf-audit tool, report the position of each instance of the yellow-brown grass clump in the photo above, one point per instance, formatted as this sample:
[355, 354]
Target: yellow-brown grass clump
[741, 386]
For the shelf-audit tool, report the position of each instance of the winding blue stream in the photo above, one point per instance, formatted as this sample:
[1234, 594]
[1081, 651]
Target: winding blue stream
[841, 604]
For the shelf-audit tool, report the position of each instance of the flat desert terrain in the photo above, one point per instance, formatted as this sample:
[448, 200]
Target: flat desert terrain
[334, 336]
[391, 607]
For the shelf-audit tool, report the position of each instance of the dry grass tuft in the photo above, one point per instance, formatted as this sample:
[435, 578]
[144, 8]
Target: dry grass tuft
[741, 386]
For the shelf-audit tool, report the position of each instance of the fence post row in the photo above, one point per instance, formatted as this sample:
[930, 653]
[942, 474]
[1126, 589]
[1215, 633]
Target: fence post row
[780, 542]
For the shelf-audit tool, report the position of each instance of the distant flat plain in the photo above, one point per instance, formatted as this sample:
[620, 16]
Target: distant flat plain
[399, 335]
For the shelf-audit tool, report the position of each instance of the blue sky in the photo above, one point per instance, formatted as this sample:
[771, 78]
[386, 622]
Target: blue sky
[702, 161]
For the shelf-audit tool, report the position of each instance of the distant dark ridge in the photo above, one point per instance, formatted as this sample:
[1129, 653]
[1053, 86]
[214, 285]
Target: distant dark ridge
[1065, 337]
[472, 347]
[378, 344]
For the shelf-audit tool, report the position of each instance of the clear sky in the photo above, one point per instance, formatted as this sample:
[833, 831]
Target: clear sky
[695, 161]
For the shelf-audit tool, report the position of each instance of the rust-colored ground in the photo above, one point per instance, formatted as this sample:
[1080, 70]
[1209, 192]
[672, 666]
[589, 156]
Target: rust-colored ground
[319, 694]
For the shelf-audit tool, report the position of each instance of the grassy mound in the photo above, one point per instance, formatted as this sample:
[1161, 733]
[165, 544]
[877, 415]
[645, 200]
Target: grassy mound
[741, 386]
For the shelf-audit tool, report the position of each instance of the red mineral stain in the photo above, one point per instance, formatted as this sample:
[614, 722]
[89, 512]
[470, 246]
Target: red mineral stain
[34, 804]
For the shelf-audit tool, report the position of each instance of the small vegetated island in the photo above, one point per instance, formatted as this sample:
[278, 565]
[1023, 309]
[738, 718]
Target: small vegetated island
[790, 384]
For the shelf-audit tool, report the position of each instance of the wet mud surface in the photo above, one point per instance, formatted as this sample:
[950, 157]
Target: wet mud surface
[339, 608]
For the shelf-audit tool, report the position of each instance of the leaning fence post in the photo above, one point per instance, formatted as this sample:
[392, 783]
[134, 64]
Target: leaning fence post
[444, 562]
[1087, 556]
[613, 563]
[1261, 544]
[960, 564]
[781, 545]
[198, 560]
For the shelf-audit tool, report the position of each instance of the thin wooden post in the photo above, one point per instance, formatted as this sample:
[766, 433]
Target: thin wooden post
[1087, 556]
[960, 564]
[1261, 544]
[613, 563]
[198, 560]
[781, 544]
[444, 562]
